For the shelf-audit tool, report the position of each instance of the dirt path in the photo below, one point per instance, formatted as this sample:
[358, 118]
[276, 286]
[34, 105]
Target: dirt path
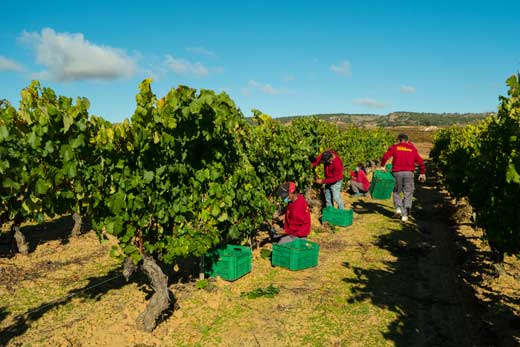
[421, 285]
[444, 313]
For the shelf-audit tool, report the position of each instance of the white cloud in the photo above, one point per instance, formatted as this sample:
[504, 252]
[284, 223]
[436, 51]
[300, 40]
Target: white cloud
[407, 89]
[265, 88]
[9, 65]
[369, 103]
[185, 67]
[201, 51]
[69, 57]
[344, 68]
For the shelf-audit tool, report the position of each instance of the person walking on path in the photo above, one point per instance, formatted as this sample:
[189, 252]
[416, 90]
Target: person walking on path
[297, 220]
[359, 184]
[333, 177]
[405, 157]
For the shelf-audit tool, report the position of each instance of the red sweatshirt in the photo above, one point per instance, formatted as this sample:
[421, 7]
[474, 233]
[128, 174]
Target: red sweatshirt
[361, 177]
[297, 218]
[333, 171]
[405, 157]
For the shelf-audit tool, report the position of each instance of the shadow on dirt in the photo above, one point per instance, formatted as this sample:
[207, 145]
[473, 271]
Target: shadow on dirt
[93, 290]
[430, 286]
[12, 275]
[58, 229]
[369, 207]
[7, 245]
[498, 325]
[3, 313]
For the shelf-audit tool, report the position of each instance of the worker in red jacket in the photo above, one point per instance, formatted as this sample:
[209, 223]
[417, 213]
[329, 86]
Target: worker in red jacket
[297, 220]
[359, 184]
[333, 177]
[405, 157]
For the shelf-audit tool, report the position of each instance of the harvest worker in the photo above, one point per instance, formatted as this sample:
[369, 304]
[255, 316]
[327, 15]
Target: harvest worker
[333, 177]
[359, 184]
[405, 157]
[297, 220]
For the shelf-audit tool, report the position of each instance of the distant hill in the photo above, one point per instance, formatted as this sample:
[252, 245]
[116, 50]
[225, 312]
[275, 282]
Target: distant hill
[397, 119]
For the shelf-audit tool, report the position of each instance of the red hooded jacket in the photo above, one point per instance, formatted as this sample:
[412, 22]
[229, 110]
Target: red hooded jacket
[333, 171]
[361, 177]
[405, 157]
[297, 218]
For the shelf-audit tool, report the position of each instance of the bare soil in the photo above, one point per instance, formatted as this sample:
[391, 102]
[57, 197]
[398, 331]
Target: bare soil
[379, 282]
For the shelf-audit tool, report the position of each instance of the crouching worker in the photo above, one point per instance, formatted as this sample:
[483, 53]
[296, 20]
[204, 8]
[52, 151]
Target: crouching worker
[359, 184]
[297, 220]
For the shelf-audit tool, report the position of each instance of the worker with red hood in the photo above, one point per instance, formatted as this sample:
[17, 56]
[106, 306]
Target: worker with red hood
[297, 220]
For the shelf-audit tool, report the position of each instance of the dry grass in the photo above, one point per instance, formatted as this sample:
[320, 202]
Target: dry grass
[360, 294]
[312, 308]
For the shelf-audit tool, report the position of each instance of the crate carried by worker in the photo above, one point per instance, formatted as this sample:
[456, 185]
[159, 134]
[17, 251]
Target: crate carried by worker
[382, 185]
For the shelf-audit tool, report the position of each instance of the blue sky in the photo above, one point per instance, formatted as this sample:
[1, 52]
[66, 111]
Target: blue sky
[284, 58]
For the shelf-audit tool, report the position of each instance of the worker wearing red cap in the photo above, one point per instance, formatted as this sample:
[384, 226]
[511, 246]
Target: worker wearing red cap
[297, 221]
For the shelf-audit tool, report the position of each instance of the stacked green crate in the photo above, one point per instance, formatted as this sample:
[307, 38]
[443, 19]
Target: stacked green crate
[382, 185]
[296, 255]
[334, 216]
[229, 263]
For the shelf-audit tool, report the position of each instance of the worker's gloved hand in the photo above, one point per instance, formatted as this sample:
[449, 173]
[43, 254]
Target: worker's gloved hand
[422, 178]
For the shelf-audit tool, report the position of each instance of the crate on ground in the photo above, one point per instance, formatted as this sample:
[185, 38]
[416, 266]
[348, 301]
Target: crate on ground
[335, 216]
[296, 255]
[230, 263]
[382, 185]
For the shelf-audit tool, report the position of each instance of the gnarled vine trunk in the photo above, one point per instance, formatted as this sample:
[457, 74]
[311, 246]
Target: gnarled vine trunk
[21, 242]
[81, 224]
[128, 268]
[76, 230]
[160, 301]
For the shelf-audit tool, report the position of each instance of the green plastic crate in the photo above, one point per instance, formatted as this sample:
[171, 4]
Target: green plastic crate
[382, 185]
[334, 216]
[296, 255]
[230, 263]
